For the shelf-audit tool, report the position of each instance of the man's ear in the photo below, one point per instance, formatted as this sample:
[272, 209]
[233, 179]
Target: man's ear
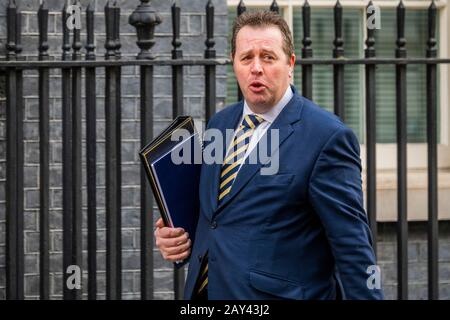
[291, 65]
[292, 61]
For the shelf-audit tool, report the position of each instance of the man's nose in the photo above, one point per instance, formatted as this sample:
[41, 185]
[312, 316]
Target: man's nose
[256, 67]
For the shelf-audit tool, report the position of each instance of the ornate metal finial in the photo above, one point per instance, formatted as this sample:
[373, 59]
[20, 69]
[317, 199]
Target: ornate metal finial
[110, 44]
[370, 41]
[90, 47]
[306, 13]
[338, 40]
[210, 52]
[145, 19]
[66, 33]
[401, 41]
[274, 7]
[76, 44]
[11, 23]
[116, 31]
[18, 33]
[43, 30]
[176, 43]
[241, 8]
[432, 42]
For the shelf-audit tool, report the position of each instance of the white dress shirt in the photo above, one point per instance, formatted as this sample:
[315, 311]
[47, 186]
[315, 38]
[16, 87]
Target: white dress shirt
[269, 117]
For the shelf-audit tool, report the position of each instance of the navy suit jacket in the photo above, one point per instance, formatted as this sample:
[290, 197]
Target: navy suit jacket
[286, 236]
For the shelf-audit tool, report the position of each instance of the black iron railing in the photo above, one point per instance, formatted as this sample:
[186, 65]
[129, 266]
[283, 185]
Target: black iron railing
[145, 19]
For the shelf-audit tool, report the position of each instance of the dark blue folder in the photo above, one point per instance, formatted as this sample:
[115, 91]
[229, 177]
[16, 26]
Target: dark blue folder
[178, 184]
[175, 185]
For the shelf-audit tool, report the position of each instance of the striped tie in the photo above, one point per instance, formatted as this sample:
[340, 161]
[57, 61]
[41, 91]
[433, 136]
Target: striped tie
[239, 146]
[230, 168]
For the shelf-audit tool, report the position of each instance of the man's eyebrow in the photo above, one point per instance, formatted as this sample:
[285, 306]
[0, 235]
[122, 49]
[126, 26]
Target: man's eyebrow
[264, 50]
[245, 52]
[268, 51]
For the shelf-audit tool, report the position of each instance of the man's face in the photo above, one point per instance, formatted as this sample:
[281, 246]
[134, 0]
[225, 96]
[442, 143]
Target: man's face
[261, 66]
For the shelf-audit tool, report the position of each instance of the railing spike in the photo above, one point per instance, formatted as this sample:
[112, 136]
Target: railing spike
[274, 7]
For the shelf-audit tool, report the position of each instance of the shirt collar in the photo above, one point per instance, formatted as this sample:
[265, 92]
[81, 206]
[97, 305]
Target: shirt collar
[272, 113]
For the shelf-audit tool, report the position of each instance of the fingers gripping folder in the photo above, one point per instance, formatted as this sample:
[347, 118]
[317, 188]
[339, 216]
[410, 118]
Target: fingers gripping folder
[172, 162]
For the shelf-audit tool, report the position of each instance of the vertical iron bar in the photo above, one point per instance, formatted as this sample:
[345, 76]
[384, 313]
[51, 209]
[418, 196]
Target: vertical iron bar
[91, 156]
[20, 163]
[240, 10]
[371, 134]
[177, 89]
[112, 140]
[118, 170]
[76, 156]
[307, 51]
[147, 212]
[14, 162]
[402, 220]
[144, 19]
[338, 70]
[44, 258]
[67, 158]
[210, 71]
[433, 231]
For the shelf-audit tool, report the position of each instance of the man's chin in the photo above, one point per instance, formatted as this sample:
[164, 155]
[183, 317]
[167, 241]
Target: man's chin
[259, 105]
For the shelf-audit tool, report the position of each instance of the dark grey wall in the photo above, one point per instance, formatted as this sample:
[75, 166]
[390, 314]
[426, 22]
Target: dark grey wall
[417, 259]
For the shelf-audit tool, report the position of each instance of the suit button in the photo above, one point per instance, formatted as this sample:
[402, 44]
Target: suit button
[214, 224]
[199, 257]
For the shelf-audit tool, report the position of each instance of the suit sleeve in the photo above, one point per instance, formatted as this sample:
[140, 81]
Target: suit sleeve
[335, 191]
[187, 260]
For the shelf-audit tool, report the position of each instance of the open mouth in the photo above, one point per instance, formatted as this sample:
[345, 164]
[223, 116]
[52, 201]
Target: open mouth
[257, 86]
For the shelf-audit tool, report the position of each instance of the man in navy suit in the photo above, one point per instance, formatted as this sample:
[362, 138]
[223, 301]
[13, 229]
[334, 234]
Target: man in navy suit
[301, 233]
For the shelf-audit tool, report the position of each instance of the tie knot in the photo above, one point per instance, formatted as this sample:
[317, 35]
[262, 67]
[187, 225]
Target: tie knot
[251, 121]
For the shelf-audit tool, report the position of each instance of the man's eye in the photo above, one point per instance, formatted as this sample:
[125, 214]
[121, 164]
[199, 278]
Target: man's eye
[268, 57]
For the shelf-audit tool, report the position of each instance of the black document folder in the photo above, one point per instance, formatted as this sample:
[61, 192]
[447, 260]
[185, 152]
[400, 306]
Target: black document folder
[172, 162]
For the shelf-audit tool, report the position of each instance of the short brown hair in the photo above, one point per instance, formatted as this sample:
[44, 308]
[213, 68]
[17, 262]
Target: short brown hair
[263, 19]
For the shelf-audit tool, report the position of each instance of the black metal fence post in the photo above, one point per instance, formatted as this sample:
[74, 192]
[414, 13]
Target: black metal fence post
[371, 132]
[433, 232]
[177, 103]
[44, 259]
[76, 157]
[67, 157]
[145, 19]
[112, 153]
[14, 160]
[91, 172]
[402, 220]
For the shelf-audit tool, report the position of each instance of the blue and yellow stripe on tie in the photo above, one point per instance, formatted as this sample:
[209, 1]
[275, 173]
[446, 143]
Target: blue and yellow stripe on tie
[239, 146]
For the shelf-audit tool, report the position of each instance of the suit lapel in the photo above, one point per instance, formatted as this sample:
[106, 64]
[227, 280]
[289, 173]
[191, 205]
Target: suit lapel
[283, 123]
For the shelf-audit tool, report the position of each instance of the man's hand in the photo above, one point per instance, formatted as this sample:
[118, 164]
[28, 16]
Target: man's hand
[173, 243]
